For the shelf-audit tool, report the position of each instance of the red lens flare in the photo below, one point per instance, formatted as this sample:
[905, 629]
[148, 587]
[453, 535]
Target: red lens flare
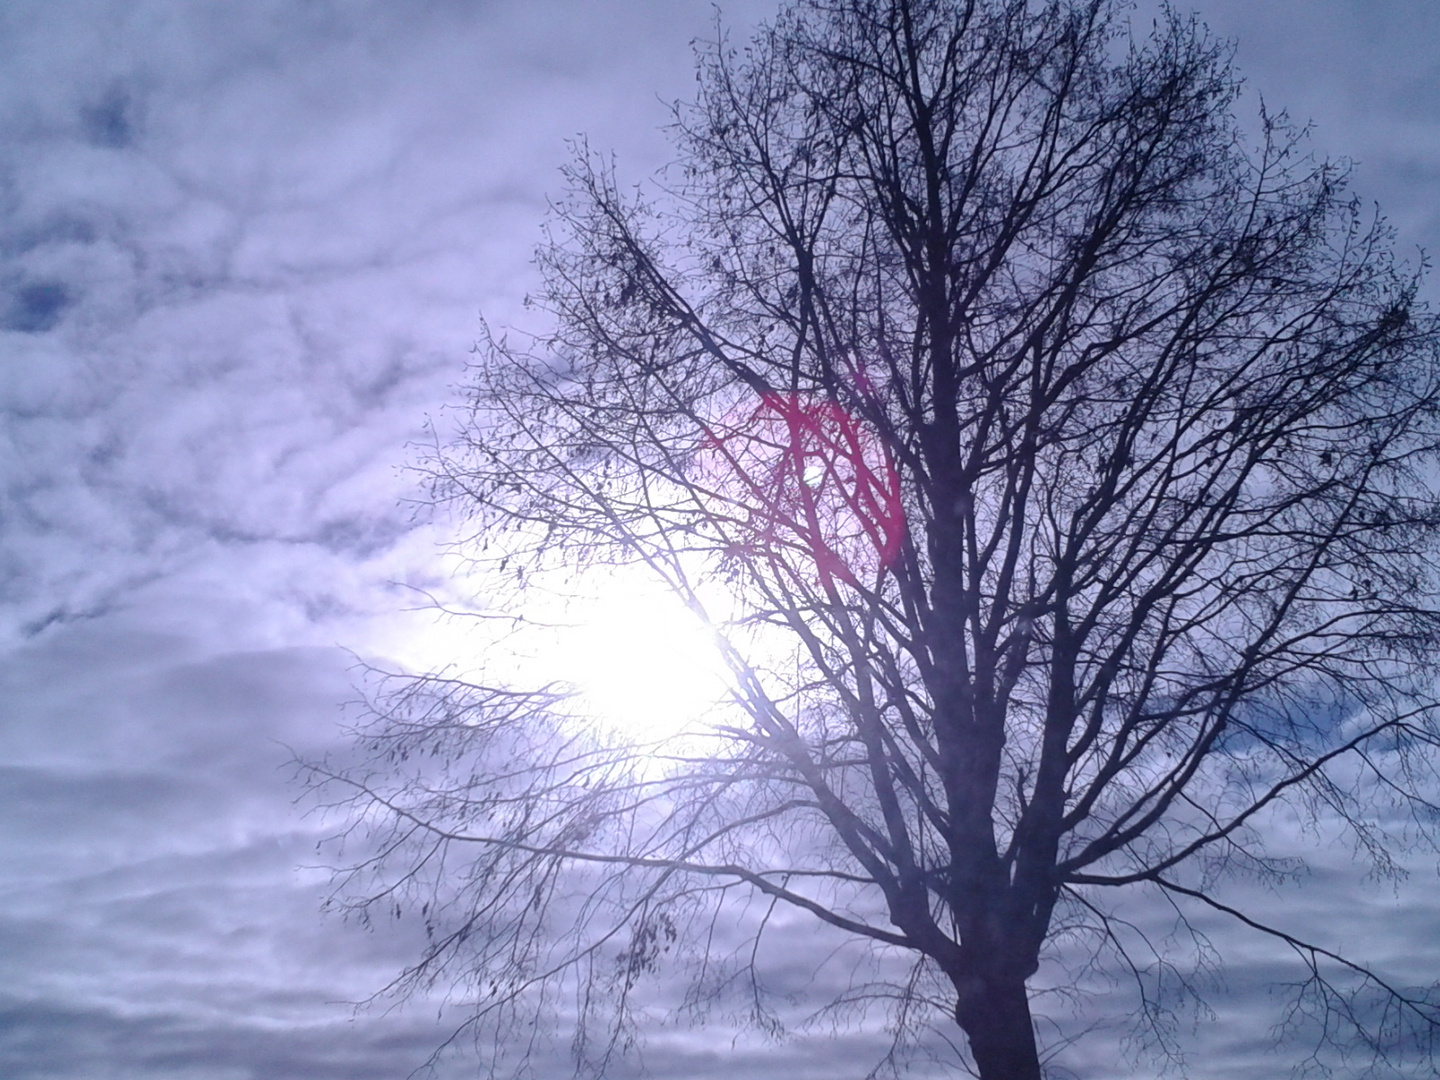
[808, 484]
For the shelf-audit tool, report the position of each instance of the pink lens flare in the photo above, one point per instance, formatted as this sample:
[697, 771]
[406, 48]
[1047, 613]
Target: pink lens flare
[805, 482]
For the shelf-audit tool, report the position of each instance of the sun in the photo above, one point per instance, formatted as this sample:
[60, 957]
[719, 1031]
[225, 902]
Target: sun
[643, 665]
[639, 664]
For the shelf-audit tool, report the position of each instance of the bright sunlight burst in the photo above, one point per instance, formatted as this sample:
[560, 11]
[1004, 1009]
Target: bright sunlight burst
[645, 665]
[642, 665]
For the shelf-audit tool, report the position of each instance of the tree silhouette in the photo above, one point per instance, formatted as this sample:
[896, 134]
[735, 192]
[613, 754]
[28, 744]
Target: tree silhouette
[1068, 469]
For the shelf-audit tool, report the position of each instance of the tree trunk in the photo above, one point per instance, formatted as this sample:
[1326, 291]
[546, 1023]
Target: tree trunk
[995, 1017]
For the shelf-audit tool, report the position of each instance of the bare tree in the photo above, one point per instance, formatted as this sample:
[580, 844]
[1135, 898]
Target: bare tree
[1069, 471]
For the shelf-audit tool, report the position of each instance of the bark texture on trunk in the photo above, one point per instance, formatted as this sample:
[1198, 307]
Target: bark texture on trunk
[995, 1017]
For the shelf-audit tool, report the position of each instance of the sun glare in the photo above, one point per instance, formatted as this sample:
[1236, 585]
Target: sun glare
[641, 664]
[645, 666]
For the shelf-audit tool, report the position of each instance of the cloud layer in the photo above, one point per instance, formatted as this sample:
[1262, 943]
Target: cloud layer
[243, 251]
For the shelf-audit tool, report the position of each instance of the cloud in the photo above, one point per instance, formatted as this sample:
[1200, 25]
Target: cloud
[1363, 77]
[242, 255]
[61, 1041]
[243, 249]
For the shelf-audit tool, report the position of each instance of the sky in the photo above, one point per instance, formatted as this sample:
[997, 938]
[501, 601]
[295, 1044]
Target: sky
[244, 252]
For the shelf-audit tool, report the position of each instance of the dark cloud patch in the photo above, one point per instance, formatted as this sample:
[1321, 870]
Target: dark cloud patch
[112, 122]
[66, 805]
[272, 696]
[362, 536]
[36, 307]
[56, 617]
[55, 1040]
[18, 238]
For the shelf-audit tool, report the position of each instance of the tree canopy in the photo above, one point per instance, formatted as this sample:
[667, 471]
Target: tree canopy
[1053, 463]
